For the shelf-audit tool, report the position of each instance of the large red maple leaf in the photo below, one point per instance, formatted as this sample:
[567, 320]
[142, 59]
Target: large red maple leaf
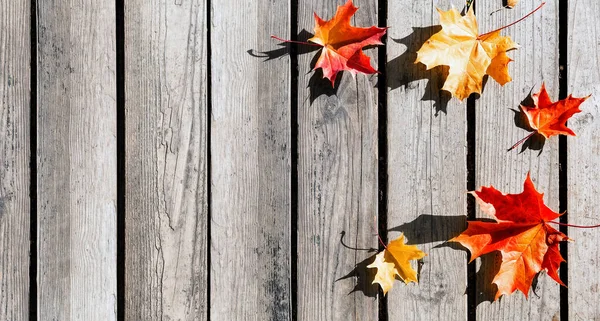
[521, 233]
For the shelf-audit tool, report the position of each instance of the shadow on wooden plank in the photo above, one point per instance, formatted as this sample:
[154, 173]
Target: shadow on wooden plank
[286, 48]
[402, 70]
[364, 276]
[427, 228]
[317, 84]
[535, 142]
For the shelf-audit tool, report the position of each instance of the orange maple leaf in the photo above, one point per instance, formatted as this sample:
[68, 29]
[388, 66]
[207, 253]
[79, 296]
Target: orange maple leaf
[522, 235]
[549, 118]
[342, 43]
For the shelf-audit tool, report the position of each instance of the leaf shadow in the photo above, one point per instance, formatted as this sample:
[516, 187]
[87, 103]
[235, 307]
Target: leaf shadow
[317, 85]
[537, 141]
[364, 276]
[427, 228]
[286, 48]
[403, 72]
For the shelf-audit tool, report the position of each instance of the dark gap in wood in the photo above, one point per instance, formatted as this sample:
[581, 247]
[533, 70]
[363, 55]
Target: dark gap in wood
[471, 207]
[563, 26]
[208, 154]
[471, 204]
[294, 159]
[121, 173]
[33, 223]
[382, 145]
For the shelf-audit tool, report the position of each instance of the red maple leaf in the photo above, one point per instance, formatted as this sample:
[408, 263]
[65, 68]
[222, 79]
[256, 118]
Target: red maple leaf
[549, 118]
[342, 43]
[521, 233]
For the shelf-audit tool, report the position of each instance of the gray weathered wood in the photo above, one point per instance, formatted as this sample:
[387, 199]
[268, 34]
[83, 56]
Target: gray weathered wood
[76, 158]
[14, 157]
[166, 213]
[337, 180]
[250, 163]
[584, 160]
[536, 61]
[426, 167]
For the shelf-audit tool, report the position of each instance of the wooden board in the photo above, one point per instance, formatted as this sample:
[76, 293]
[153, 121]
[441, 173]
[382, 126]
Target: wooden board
[426, 167]
[76, 159]
[536, 61]
[337, 180]
[14, 157]
[250, 163]
[584, 160]
[166, 212]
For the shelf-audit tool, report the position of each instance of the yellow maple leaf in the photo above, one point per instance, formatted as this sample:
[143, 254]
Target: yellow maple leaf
[395, 261]
[469, 55]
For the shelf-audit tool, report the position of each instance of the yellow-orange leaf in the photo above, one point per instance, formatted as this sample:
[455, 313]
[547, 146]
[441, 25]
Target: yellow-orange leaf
[469, 55]
[511, 3]
[395, 261]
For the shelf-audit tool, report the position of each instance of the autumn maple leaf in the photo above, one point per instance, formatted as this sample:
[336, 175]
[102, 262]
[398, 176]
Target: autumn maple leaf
[394, 261]
[469, 55]
[521, 233]
[342, 43]
[549, 118]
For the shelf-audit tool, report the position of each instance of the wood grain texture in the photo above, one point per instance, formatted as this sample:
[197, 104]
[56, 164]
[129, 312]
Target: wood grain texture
[76, 159]
[426, 167]
[250, 162]
[166, 160]
[337, 181]
[497, 112]
[14, 157]
[584, 160]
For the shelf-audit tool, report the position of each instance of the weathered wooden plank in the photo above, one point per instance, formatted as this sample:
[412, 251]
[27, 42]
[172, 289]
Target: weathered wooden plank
[76, 159]
[165, 160]
[426, 167]
[250, 163]
[583, 159]
[14, 157]
[337, 180]
[536, 61]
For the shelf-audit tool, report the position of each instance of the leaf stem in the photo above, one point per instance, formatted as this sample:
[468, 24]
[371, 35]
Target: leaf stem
[298, 42]
[527, 15]
[521, 141]
[573, 225]
[381, 241]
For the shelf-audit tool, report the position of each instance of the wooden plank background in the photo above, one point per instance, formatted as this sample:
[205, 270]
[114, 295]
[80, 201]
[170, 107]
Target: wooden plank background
[15, 157]
[166, 207]
[536, 61]
[250, 245]
[76, 161]
[251, 189]
[337, 181]
[583, 159]
[426, 167]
